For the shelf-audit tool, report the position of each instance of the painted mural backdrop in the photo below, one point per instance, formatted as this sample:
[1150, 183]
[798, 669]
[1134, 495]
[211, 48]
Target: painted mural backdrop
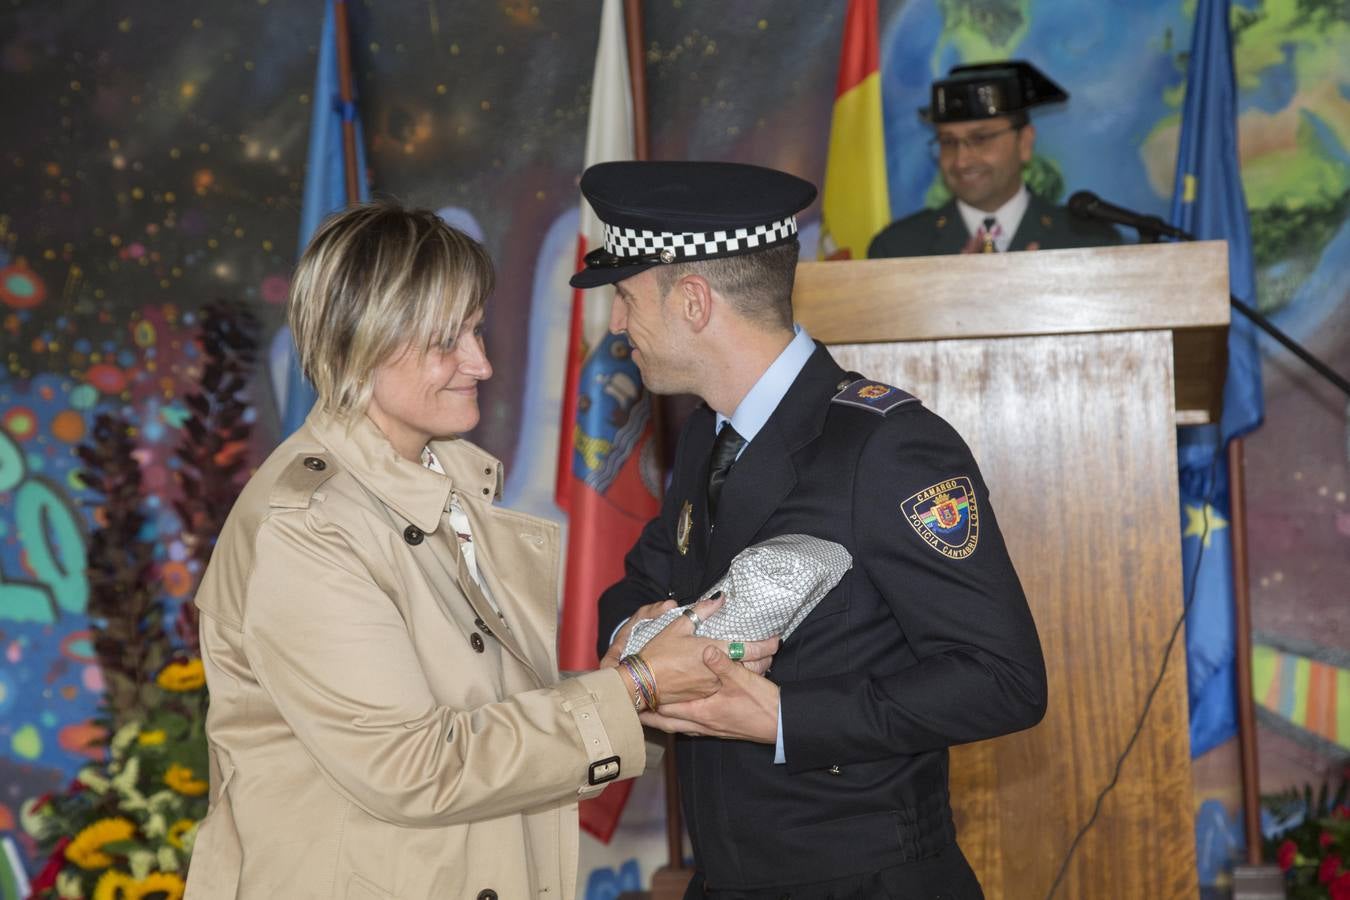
[152, 162]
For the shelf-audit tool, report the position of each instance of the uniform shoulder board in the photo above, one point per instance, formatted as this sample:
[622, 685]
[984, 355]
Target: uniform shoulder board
[873, 396]
[300, 479]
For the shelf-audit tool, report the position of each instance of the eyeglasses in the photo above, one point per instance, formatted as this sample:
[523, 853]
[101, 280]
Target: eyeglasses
[975, 143]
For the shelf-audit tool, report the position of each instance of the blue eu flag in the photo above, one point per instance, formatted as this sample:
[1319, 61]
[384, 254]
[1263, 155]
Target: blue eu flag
[325, 193]
[1208, 201]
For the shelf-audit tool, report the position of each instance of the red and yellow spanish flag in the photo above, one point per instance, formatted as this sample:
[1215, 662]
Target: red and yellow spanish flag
[855, 204]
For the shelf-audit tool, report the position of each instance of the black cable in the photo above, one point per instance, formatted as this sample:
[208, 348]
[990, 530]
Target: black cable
[1157, 683]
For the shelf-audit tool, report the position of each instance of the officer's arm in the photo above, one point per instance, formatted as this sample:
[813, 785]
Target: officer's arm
[979, 672]
[647, 567]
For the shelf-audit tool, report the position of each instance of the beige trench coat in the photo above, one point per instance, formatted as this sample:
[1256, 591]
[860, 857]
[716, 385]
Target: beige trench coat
[376, 730]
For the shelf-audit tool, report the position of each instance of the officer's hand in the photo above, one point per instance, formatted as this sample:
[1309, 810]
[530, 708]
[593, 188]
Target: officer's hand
[745, 708]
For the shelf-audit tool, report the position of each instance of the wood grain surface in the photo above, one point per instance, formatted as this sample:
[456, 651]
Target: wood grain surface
[1181, 288]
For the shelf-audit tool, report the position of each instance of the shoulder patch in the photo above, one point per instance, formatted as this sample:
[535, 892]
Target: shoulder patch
[300, 479]
[946, 516]
[874, 396]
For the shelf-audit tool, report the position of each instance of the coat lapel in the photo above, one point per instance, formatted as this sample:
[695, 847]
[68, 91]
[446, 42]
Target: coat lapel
[1035, 225]
[949, 231]
[765, 474]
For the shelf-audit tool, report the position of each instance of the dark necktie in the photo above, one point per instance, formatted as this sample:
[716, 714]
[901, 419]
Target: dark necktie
[725, 448]
[988, 233]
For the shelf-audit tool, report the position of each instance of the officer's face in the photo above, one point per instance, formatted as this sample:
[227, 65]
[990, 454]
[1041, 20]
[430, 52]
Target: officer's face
[430, 392]
[982, 161]
[650, 321]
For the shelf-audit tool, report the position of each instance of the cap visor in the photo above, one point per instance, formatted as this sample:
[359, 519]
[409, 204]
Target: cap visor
[597, 276]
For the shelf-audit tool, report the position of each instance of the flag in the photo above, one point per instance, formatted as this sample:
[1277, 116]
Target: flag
[1208, 201]
[608, 481]
[325, 193]
[855, 204]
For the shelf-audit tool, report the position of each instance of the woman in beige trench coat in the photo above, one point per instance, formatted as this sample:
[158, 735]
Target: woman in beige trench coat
[387, 719]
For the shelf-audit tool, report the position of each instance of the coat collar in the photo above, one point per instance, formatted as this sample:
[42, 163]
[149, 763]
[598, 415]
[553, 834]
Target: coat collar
[413, 491]
[765, 474]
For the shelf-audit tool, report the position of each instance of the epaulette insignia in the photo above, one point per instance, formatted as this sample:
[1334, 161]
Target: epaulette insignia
[300, 479]
[942, 221]
[874, 396]
[946, 517]
[1046, 221]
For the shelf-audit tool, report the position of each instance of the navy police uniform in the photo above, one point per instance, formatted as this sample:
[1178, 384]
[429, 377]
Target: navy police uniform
[927, 642]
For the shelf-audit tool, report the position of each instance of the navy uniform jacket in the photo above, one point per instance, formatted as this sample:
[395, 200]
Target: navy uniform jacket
[1044, 226]
[918, 648]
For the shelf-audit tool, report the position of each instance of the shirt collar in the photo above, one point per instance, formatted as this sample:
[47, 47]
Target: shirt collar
[1009, 216]
[763, 398]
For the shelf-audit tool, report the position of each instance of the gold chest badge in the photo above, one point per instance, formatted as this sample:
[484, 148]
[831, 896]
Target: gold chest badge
[684, 527]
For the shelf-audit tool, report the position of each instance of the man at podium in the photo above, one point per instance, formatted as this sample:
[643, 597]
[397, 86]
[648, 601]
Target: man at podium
[828, 778]
[983, 138]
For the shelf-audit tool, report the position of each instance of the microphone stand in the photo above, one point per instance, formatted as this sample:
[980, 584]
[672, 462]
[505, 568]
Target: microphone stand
[1150, 236]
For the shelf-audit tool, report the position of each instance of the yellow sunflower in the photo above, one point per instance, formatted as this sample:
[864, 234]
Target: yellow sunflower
[151, 738]
[182, 676]
[86, 850]
[114, 885]
[177, 830]
[182, 780]
[166, 884]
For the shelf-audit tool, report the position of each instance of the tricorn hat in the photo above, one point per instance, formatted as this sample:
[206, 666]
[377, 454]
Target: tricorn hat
[666, 212]
[991, 89]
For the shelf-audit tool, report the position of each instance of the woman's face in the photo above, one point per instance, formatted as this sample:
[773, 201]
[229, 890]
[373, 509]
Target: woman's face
[424, 393]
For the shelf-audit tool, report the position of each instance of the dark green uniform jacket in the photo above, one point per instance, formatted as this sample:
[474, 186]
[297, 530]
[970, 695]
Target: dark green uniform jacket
[933, 232]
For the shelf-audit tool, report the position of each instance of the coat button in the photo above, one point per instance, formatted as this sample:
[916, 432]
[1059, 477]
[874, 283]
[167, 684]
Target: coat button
[843, 384]
[835, 770]
[487, 491]
[413, 535]
[313, 462]
[476, 642]
[482, 626]
[487, 894]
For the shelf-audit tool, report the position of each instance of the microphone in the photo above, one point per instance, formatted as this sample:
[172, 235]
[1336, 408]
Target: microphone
[1089, 205]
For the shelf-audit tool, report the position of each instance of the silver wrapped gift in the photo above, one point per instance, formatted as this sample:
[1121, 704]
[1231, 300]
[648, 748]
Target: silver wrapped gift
[770, 588]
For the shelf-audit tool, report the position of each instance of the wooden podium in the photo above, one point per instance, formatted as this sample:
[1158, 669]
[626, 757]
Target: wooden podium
[1067, 372]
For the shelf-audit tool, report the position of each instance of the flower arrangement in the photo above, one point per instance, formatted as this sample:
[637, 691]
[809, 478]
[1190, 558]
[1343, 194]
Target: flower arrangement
[124, 829]
[1312, 844]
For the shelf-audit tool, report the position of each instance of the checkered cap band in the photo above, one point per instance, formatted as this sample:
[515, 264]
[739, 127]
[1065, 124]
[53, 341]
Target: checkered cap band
[638, 243]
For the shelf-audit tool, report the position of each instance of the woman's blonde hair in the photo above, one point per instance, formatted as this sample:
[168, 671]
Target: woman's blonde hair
[374, 280]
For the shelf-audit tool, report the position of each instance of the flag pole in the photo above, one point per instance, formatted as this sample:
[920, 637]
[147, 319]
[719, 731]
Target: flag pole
[637, 80]
[1242, 614]
[345, 92]
[637, 75]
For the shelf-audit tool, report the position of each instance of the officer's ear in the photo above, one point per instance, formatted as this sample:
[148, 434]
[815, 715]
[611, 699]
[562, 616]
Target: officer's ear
[1026, 142]
[695, 296]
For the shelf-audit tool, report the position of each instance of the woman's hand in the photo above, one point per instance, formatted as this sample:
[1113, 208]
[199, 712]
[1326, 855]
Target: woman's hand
[650, 611]
[675, 656]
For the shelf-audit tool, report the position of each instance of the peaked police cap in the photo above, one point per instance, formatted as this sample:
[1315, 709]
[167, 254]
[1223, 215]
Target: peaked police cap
[667, 212]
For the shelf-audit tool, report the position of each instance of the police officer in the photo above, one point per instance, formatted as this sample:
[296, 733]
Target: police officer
[983, 138]
[828, 777]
